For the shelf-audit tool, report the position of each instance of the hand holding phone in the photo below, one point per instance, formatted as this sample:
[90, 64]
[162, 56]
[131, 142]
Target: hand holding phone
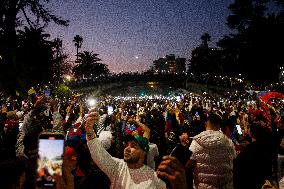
[53, 105]
[196, 114]
[47, 93]
[40, 102]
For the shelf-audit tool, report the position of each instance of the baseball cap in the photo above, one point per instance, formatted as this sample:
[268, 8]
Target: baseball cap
[140, 140]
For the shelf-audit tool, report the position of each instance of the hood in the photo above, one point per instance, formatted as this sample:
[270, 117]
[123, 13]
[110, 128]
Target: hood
[212, 139]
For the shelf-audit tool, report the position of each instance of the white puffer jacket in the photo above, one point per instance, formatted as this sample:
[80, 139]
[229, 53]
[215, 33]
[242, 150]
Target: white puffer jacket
[214, 153]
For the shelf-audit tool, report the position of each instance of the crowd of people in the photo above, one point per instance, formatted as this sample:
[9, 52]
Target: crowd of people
[205, 78]
[183, 141]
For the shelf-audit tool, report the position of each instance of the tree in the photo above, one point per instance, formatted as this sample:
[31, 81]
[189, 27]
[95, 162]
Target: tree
[89, 66]
[61, 91]
[253, 47]
[205, 38]
[13, 13]
[35, 57]
[57, 43]
[60, 65]
[205, 59]
[78, 40]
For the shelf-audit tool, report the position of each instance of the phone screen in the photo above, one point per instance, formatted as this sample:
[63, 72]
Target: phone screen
[239, 129]
[47, 93]
[109, 110]
[51, 148]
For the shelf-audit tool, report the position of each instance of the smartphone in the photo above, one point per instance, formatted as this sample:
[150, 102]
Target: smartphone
[196, 114]
[178, 98]
[20, 125]
[50, 160]
[239, 129]
[109, 110]
[47, 93]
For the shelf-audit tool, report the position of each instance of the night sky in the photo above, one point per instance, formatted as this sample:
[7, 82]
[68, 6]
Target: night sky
[130, 34]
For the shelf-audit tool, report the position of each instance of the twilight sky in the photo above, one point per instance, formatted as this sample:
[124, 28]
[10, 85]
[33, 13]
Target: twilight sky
[131, 34]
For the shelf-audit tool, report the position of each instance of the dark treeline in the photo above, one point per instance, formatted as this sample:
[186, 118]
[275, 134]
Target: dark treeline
[254, 46]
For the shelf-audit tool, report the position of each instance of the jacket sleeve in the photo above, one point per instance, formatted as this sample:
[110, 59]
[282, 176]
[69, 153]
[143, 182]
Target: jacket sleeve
[108, 164]
[24, 131]
[57, 122]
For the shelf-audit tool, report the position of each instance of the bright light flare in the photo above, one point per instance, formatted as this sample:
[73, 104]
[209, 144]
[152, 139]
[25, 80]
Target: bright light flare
[92, 102]
[68, 77]
[110, 110]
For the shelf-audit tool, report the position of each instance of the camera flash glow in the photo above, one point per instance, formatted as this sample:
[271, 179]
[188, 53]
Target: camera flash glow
[92, 102]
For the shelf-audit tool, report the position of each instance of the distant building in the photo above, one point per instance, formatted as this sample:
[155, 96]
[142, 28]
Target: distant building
[169, 64]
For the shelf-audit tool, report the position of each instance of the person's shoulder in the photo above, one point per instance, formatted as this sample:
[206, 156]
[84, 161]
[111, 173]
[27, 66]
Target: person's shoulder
[152, 147]
[202, 134]
[194, 146]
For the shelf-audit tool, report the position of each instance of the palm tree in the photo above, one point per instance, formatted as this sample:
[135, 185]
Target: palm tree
[78, 40]
[205, 38]
[57, 43]
[87, 57]
[89, 65]
[35, 56]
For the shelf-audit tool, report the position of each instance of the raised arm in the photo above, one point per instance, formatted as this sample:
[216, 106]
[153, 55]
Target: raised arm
[100, 156]
[145, 129]
[57, 118]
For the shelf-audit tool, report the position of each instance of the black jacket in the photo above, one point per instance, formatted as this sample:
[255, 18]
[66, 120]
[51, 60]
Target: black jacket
[253, 165]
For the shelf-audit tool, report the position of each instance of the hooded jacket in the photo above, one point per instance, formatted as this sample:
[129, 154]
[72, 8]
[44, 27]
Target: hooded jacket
[214, 153]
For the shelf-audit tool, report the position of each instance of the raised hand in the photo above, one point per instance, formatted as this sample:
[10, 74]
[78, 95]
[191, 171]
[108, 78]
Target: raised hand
[172, 170]
[92, 118]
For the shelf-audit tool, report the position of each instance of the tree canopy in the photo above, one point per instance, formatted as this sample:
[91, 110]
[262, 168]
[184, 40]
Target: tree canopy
[20, 22]
[253, 48]
[89, 66]
[35, 56]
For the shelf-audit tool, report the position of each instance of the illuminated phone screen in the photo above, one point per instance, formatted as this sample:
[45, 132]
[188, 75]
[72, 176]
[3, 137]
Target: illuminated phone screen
[239, 129]
[50, 160]
[110, 110]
